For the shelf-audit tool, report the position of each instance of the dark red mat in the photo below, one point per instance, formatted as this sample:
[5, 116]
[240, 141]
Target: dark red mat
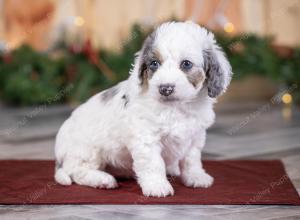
[236, 182]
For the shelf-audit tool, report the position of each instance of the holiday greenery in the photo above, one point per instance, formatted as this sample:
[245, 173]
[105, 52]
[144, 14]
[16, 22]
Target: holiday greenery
[28, 77]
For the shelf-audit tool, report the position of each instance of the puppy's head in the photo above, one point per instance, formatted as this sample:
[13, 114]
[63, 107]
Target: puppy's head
[179, 60]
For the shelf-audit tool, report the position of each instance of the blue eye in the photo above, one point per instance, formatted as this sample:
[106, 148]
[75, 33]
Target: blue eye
[186, 65]
[154, 65]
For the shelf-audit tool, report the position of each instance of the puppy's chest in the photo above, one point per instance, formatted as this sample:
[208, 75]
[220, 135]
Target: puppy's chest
[177, 131]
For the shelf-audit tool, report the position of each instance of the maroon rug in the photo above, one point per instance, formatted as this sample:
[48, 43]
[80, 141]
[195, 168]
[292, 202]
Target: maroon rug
[236, 182]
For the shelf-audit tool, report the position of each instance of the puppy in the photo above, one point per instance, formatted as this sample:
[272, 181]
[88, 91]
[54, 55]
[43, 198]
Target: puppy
[154, 123]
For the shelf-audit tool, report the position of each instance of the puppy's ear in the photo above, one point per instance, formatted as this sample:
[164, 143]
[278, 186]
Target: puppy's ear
[217, 68]
[142, 74]
[143, 58]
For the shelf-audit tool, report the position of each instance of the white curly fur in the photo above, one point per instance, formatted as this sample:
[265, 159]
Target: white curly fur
[130, 130]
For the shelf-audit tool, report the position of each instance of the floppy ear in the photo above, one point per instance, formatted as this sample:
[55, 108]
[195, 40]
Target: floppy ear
[143, 75]
[217, 69]
[144, 55]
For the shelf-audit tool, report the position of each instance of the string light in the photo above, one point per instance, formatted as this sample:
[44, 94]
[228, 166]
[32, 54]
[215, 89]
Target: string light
[228, 27]
[79, 21]
[223, 22]
[287, 98]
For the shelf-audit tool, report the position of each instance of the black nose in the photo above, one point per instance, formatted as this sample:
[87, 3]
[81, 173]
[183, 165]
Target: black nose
[166, 89]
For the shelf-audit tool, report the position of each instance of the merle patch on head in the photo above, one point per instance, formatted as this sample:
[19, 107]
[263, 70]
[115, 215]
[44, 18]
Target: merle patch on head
[109, 93]
[195, 77]
[214, 74]
[148, 56]
[193, 74]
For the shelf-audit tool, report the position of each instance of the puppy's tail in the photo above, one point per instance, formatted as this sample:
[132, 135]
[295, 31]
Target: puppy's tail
[62, 177]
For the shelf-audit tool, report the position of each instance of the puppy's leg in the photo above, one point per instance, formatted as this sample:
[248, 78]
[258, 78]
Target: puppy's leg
[87, 173]
[192, 172]
[150, 170]
[94, 178]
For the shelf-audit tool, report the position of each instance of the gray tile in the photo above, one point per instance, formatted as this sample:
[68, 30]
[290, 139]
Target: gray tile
[275, 154]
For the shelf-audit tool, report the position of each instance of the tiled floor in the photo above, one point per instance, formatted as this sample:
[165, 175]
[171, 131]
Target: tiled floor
[241, 131]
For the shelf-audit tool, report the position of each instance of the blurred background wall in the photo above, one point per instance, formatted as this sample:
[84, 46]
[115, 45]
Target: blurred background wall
[107, 22]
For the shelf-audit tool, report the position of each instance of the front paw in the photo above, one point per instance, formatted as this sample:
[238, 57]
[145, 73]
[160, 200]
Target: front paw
[199, 179]
[156, 187]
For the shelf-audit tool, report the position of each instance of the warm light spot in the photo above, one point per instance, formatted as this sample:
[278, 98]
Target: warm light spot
[79, 21]
[287, 98]
[228, 27]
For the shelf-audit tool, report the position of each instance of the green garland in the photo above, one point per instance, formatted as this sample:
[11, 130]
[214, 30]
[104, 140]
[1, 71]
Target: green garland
[28, 77]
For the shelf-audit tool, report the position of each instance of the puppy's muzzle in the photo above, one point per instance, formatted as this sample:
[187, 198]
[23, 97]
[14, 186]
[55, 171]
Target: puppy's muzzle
[166, 89]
